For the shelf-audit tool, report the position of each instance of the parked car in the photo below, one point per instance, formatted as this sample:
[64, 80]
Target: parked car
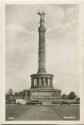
[20, 101]
[65, 102]
[56, 102]
[75, 102]
[34, 102]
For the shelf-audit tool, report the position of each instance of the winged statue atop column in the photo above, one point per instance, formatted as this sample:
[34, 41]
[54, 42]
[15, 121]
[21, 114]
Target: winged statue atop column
[41, 14]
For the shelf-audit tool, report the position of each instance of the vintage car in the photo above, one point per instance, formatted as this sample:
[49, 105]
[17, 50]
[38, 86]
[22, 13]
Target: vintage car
[34, 102]
[56, 102]
[20, 101]
[67, 102]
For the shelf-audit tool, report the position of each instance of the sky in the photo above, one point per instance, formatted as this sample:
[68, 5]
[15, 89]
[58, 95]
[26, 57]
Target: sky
[62, 45]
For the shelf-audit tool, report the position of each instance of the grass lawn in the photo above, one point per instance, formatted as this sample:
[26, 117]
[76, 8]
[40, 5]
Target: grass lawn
[65, 112]
[15, 111]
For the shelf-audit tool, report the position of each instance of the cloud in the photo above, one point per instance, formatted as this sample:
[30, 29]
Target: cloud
[17, 28]
[62, 49]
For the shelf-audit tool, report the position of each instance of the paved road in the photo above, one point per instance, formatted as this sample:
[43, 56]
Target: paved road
[39, 113]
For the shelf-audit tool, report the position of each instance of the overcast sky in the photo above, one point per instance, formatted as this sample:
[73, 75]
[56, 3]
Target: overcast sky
[62, 45]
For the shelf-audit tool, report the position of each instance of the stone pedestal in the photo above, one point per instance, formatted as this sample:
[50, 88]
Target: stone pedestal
[42, 88]
[43, 94]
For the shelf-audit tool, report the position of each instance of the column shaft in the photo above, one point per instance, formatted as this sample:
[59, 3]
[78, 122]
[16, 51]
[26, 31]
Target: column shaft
[41, 51]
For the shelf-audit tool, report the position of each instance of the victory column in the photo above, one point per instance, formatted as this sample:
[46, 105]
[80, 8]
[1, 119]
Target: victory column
[41, 83]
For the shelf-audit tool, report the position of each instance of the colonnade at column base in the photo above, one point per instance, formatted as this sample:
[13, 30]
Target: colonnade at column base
[41, 81]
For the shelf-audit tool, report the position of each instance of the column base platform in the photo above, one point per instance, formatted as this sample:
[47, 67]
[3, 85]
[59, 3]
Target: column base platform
[44, 95]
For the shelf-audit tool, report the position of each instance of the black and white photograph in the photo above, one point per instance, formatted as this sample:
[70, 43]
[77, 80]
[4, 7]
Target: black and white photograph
[42, 66]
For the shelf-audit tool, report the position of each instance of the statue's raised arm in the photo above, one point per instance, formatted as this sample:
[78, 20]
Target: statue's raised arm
[41, 14]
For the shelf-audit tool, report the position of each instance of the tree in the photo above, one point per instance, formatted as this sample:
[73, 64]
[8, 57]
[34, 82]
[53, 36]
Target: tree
[78, 99]
[16, 95]
[72, 95]
[9, 96]
[64, 96]
[21, 94]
